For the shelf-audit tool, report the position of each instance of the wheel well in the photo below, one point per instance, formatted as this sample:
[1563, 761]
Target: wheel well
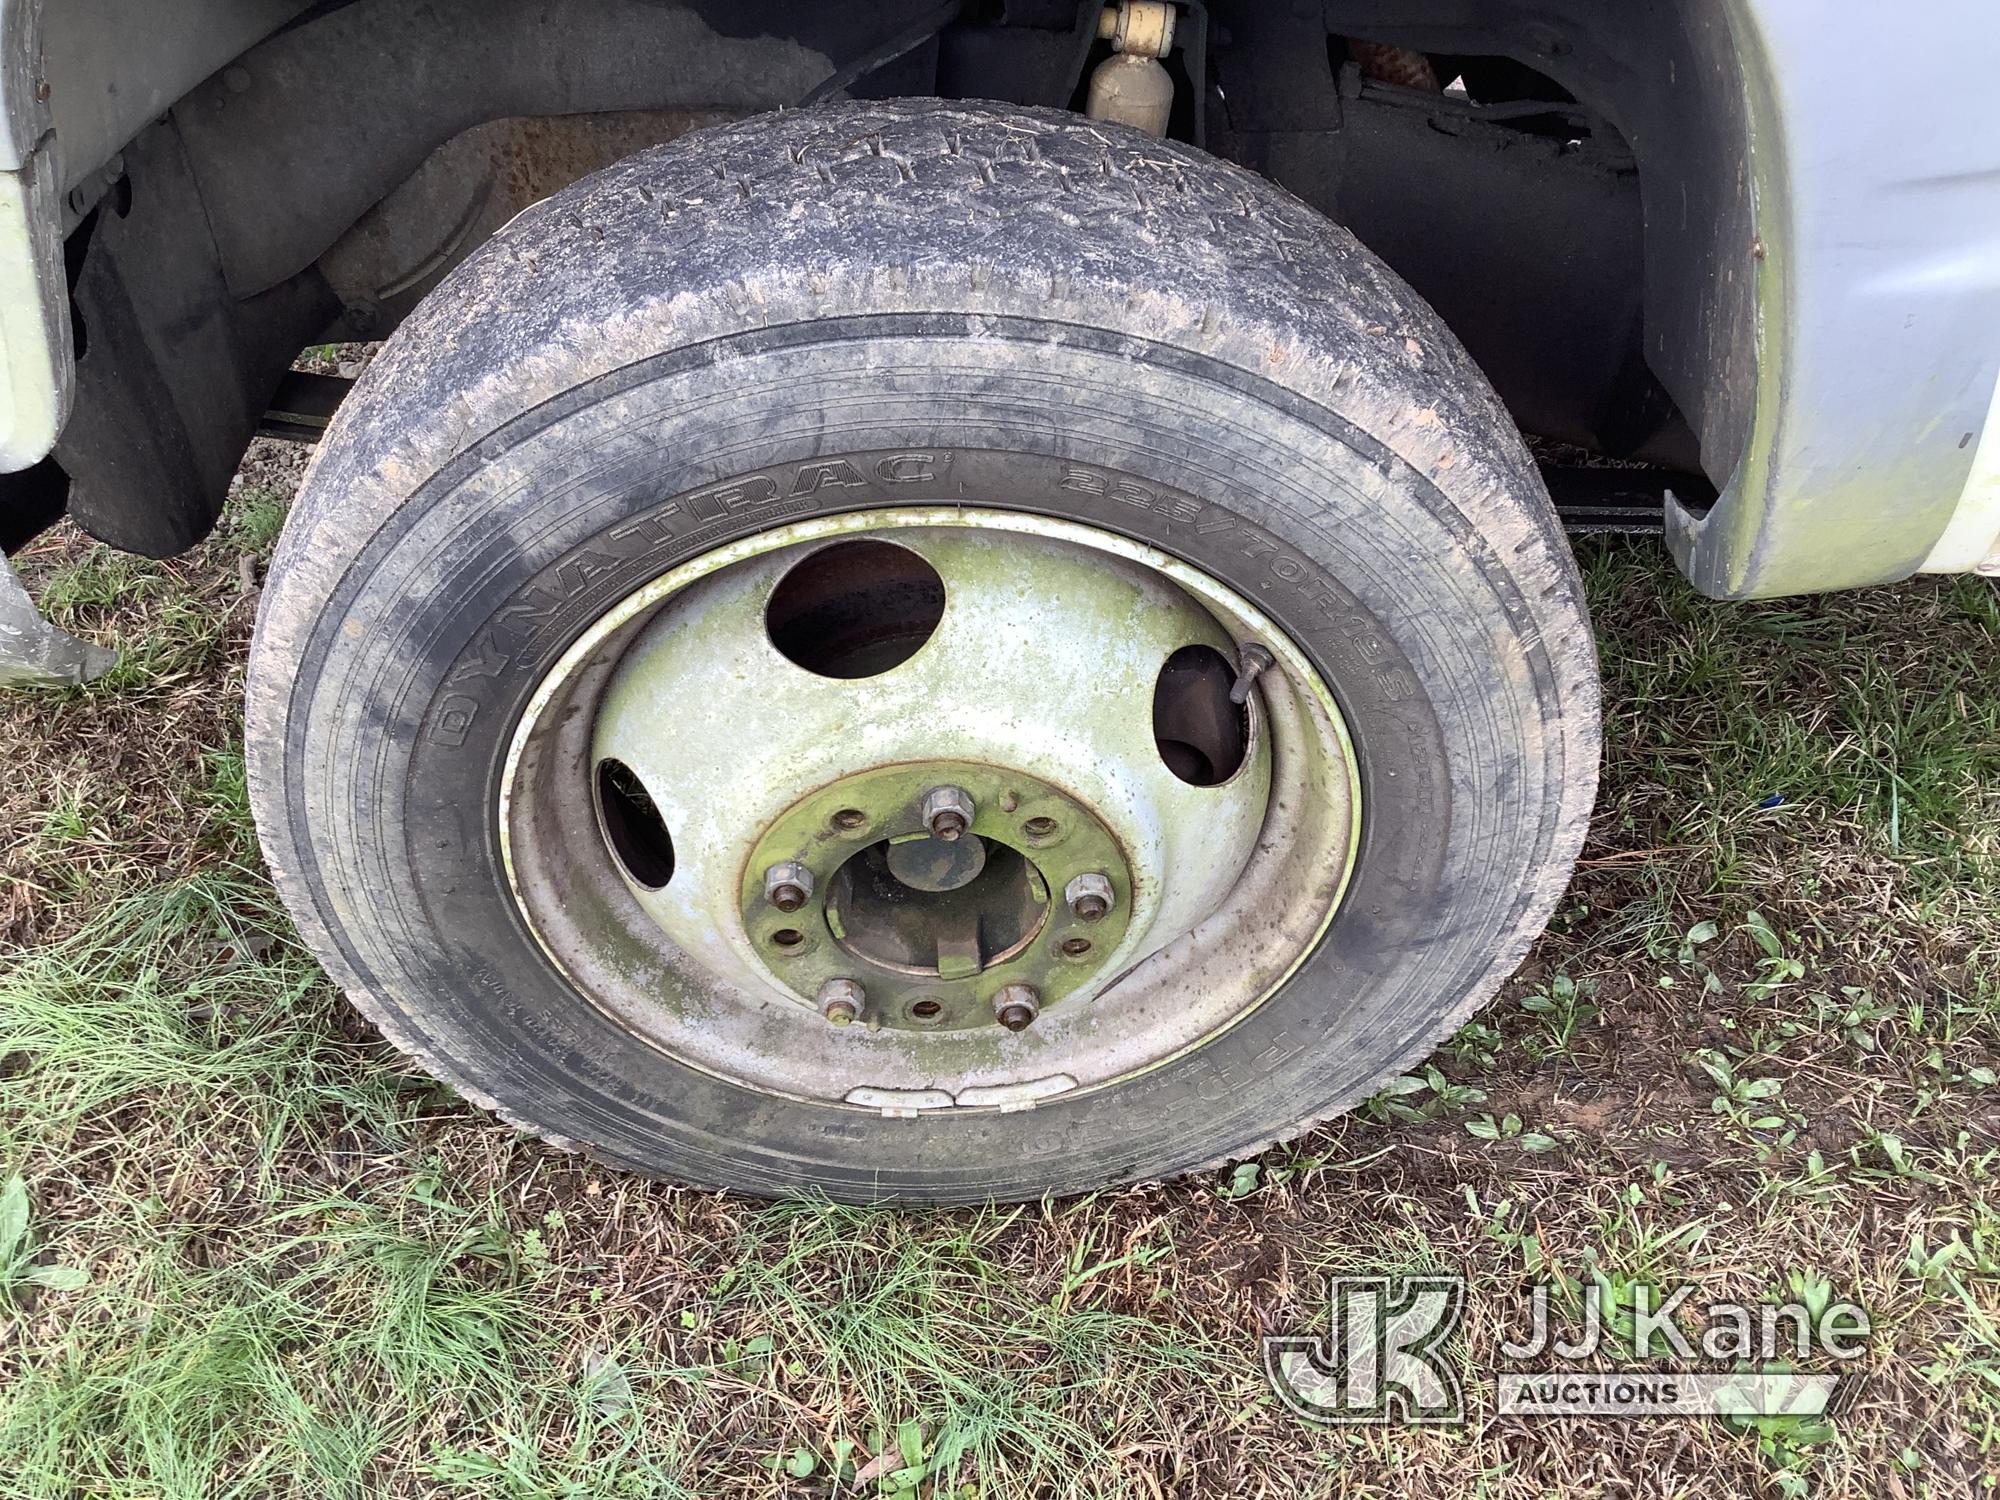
[1673, 82]
[1567, 189]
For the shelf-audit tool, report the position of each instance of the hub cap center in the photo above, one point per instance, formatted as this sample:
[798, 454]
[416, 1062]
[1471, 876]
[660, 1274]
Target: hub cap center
[933, 929]
[933, 864]
[962, 913]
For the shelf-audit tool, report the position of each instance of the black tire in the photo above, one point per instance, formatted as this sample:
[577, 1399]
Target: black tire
[1043, 296]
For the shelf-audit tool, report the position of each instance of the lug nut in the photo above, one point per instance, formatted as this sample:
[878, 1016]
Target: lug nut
[947, 812]
[1089, 896]
[841, 1001]
[788, 885]
[1016, 1006]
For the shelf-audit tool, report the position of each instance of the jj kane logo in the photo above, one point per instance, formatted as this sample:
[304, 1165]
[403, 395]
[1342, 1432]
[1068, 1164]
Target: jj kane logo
[1384, 1356]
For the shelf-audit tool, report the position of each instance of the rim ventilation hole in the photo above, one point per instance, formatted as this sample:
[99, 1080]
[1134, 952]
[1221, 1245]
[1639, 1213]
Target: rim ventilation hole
[855, 609]
[1202, 736]
[633, 826]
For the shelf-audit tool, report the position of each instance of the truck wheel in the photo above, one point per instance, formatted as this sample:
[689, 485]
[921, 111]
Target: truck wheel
[922, 652]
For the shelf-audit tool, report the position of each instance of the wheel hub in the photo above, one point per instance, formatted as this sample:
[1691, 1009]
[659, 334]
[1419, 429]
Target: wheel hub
[932, 928]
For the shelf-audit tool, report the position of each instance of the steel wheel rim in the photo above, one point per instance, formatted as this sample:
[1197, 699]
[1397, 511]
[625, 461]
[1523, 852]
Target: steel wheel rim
[709, 996]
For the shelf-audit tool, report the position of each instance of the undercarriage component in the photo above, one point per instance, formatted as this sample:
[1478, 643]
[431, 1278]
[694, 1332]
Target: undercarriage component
[1130, 87]
[173, 373]
[1519, 221]
[898, 45]
[302, 406]
[1627, 499]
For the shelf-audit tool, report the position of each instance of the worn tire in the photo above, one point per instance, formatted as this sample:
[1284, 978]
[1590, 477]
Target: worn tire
[1033, 292]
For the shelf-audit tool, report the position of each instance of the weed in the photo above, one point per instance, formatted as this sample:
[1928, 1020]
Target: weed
[1562, 1010]
[1420, 1096]
[1509, 1128]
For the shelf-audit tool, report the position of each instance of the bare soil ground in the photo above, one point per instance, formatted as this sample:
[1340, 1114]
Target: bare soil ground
[1757, 1051]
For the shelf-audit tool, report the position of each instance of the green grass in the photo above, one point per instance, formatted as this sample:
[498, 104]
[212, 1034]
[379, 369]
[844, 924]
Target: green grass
[246, 1251]
[257, 516]
[101, 579]
[280, 1286]
[289, 1362]
[188, 993]
[1765, 713]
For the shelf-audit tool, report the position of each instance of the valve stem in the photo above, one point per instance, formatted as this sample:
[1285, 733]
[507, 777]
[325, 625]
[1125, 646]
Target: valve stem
[1253, 661]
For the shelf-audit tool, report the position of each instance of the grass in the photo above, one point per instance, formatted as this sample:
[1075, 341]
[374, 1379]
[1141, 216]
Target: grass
[1802, 712]
[245, 1251]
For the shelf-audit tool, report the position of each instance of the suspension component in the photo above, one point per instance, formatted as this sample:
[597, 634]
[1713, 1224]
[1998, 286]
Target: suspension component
[1130, 87]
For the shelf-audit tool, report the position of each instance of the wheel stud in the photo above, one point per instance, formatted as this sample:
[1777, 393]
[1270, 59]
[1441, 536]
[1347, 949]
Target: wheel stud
[1016, 1006]
[1089, 896]
[841, 1001]
[788, 885]
[947, 812]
